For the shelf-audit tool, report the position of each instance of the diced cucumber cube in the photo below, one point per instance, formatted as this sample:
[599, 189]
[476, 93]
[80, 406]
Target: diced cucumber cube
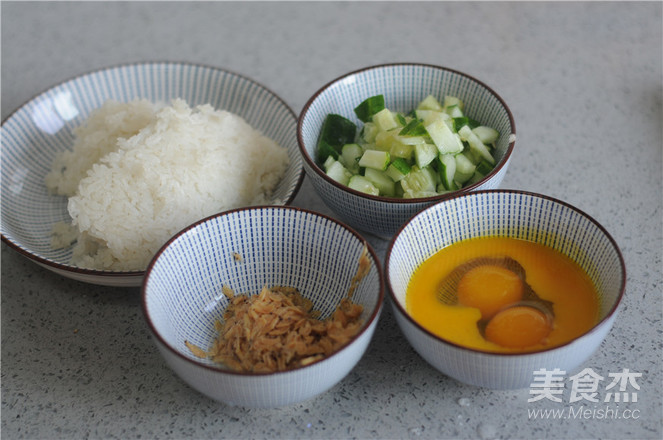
[385, 140]
[330, 160]
[447, 169]
[368, 133]
[351, 153]
[428, 116]
[486, 134]
[362, 184]
[414, 128]
[444, 139]
[454, 111]
[339, 173]
[450, 101]
[464, 168]
[376, 159]
[398, 169]
[484, 167]
[464, 120]
[369, 107]
[430, 102]
[325, 151]
[401, 150]
[385, 120]
[419, 179]
[381, 181]
[476, 145]
[424, 154]
[337, 131]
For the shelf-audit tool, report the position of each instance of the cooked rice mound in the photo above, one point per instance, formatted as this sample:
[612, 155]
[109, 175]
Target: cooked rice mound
[138, 173]
[277, 330]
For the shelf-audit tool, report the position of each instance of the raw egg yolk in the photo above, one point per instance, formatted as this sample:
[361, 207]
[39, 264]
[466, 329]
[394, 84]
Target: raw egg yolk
[489, 288]
[518, 327]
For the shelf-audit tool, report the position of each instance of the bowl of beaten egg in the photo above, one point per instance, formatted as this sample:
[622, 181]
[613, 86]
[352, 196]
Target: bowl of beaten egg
[98, 172]
[490, 286]
[263, 306]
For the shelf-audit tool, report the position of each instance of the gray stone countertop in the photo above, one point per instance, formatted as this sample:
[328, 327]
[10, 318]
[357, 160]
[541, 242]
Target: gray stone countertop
[584, 83]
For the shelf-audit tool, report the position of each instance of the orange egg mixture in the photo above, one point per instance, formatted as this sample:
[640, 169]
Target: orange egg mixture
[491, 312]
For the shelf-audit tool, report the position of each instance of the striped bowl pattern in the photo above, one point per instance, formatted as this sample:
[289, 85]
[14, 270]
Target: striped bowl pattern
[35, 133]
[287, 246]
[403, 86]
[515, 214]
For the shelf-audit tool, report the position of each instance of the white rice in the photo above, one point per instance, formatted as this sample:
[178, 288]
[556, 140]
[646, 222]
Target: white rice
[140, 174]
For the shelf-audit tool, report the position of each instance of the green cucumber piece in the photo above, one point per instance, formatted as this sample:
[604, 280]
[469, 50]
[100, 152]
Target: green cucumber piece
[485, 167]
[351, 153]
[487, 135]
[413, 128]
[375, 159]
[368, 133]
[325, 151]
[362, 184]
[454, 111]
[430, 102]
[450, 101]
[381, 181]
[385, 120]
[336, 131]
[339, 173]
[369, 107]
[444, 139]
[464, 120]
[447, 169]
[418, 180]
[476, 145]
[464, 168]
[402, 150]
[398, 169]
[424, 154]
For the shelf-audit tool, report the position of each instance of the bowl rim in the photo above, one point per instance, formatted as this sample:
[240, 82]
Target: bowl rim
[373, 317]
[311, 163]
[132, 274]
[595, 328]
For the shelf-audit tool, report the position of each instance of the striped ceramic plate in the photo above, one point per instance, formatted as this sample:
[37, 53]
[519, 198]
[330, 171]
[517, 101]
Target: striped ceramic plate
[43, 127]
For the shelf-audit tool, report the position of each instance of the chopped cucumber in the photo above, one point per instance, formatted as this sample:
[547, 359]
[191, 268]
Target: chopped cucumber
[464, 168]
[479, 147]
[351, 153]
[488, 135]
[450, 101]
[434, 149]
[424, 154]
[444, 139]
[398, 169]
[464, 120]
[339, 173]
[376, 159]
[385, 120]
[414, 128]
[430, 102]
[381, 181]
[448, 171]
[336, 131]
[360, 183]
[418, 180]
[369, 107]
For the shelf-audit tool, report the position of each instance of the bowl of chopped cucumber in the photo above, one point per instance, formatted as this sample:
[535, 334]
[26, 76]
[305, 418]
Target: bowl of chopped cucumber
[384, 142]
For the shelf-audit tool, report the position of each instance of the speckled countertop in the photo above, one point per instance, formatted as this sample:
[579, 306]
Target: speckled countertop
[583, 81]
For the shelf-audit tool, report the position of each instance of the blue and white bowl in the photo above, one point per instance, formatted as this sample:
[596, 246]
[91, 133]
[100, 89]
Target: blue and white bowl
[515, 214]
[247, 249]
[43, 127]
[403, 86]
